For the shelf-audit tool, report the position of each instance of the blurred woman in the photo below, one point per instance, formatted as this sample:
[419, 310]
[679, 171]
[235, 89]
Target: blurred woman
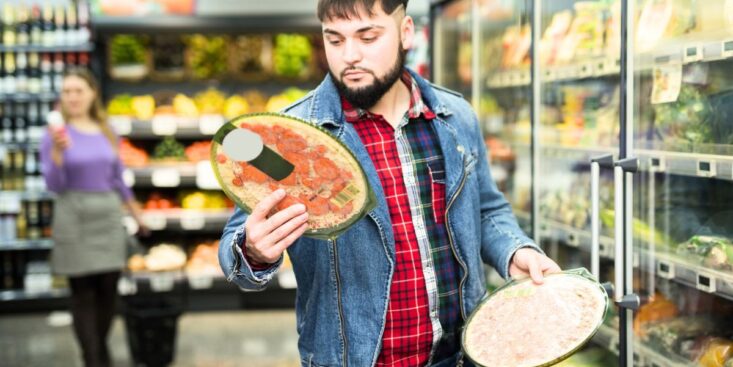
[81, 165]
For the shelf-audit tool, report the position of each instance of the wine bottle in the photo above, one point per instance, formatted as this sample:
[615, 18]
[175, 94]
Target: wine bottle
[72, 26]
[34, 73]
[49, 29]
[46, 74]
[83, 19]
[9, 23]
[22, 28]
[36, 26]
[58, 72]
[21, 125]
[60, 19]
[21, 73]
[10, 85]
[7, 127]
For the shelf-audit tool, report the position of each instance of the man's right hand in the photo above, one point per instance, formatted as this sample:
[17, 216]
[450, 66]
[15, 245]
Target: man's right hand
[268, 238]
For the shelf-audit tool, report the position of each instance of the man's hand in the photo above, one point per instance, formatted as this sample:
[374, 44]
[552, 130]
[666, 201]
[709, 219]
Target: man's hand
[268, 238]
[527, 261]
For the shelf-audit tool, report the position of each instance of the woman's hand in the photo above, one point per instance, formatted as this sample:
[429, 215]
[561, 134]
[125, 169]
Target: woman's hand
[60, 139]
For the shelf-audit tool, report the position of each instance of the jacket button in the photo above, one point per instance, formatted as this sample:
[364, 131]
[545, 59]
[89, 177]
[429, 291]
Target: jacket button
[460, 149]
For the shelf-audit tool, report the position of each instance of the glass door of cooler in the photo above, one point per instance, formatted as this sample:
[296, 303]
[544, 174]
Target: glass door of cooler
[577, 123]
[682, 224]
[452, 46]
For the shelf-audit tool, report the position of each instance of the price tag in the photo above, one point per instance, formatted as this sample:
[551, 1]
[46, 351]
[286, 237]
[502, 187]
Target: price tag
[526, 78]
[665, 270]
[122, 124]
[166, 177]
[192, 221]
[128, 177]
[585, 70]
[210, 124]
[200, 281]
[155, 221]
[706, 168]
[164, 125]
[573, 240]
[286, 279]
[727, 49]
[205, 177]
[162, 282]
[692, 54]
[657, 164]
[126, 286]
[706, 283]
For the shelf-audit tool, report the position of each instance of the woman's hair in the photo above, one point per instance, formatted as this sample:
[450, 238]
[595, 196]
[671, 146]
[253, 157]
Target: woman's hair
[96, 111]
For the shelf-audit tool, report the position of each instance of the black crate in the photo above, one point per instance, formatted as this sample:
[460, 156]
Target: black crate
[151, 331]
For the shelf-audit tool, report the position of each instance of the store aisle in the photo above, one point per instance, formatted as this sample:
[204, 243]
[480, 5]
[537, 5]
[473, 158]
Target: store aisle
[221, 339]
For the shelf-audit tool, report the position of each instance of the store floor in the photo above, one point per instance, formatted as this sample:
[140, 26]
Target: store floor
[221, 339]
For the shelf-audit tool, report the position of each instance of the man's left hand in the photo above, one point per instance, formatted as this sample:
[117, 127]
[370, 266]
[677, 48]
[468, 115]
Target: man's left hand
[529, 262]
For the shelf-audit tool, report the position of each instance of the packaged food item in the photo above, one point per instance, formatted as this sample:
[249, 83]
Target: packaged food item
[526, 325]
[254, 155]
[712, 251]
[659, 309]
[716, 353]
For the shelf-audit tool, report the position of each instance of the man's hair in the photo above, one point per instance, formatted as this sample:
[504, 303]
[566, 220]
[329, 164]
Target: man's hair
[346, 9]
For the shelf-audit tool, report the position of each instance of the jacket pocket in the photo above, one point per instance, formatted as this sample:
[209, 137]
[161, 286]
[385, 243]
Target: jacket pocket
[437, 189]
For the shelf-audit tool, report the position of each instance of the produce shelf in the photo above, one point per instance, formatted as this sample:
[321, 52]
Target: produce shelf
[28, 97]
[205, 24]
[186, 219]
[22, 295]
[187, 128]
[687, 164]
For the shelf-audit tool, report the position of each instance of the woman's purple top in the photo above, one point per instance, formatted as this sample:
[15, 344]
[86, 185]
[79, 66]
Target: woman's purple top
[89, 164]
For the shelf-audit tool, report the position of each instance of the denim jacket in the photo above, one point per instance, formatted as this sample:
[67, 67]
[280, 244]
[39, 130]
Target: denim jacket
[343, 284]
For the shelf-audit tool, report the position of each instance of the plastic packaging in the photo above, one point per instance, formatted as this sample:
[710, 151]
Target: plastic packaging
[525, 325]
[254, 155]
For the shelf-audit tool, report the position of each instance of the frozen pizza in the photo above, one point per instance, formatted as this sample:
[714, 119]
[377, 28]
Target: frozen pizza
[312, 166]
[526, 325]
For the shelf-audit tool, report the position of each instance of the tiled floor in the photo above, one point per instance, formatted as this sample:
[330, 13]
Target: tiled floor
[221, 339]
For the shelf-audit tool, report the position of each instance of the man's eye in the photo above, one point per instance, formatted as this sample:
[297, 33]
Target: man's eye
[368, 39]
[334, 42]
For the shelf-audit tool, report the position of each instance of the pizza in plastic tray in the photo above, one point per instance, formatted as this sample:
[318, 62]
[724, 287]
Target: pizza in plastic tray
[525, 325]
[311, 165]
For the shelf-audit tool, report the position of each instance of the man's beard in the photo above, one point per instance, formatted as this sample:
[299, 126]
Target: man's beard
[366, 97]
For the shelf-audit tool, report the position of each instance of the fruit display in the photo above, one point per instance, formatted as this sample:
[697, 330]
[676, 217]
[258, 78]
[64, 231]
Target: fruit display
[235, 106]
[168, 57]
[165, 257]
[127, 57]
[251, 56]
[312, 166]
[121, 104]
[143, 107]
[198, 151]
[169, 149]
[713, 252]
[204, 260]
[131, 155]
[207, 56]
[292, 56]
[184, 106]
[210, 102]
[256, 100]
[204, 200]
[278, 102]
[158, 201]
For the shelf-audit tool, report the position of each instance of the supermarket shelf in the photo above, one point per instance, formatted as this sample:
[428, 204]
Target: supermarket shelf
[167, 281]
[664, 265]
[205, 24]
[564, 151]
[186, 128]
[86, 47]
[608, 338]
[22, 295]
[27, 97]
[598, 68]
[686, 164]
[15, 245]
[164, 175]
[186, 220]
[671, 267]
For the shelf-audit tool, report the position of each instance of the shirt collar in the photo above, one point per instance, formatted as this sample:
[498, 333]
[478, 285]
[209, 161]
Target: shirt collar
[417, 107]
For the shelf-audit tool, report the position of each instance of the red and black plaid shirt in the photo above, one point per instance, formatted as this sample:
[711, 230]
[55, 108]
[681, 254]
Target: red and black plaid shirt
[409, 336]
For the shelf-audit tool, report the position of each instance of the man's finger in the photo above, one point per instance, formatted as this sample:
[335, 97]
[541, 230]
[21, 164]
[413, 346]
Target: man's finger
[282, 217]
[535, 270]
[290, 239]
[265, 205]
[285, 230]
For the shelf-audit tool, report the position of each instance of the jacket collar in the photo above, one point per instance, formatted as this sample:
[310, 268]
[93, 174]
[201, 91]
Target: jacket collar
[325, 107]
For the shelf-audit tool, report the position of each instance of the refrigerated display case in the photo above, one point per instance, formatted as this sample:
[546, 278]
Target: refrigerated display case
[631, 157]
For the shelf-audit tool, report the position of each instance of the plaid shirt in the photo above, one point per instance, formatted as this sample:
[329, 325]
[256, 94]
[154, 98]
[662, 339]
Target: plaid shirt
[423, 315]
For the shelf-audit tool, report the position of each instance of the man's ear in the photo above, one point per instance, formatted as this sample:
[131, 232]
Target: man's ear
[407, 32]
